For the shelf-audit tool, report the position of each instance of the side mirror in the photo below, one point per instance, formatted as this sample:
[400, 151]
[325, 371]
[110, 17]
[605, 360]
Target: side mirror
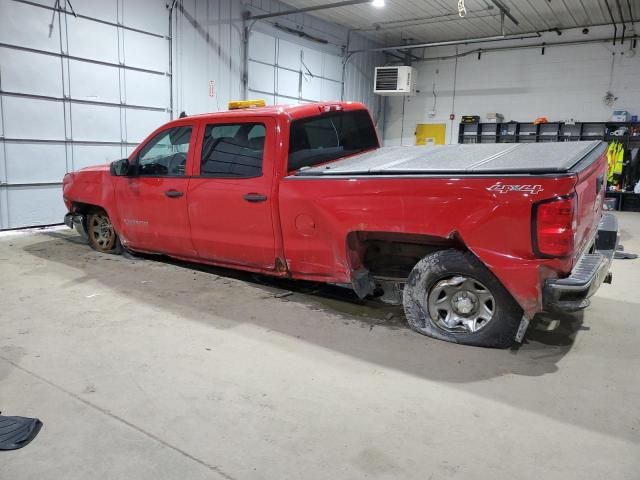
[120, 168]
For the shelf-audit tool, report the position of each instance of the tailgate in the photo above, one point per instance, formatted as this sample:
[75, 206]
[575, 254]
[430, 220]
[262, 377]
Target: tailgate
[590, 191]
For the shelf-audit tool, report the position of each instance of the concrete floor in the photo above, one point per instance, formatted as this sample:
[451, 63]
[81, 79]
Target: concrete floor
[147, 369]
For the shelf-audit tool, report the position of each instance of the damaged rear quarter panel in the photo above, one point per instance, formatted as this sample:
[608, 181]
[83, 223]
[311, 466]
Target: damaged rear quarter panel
[494, 225]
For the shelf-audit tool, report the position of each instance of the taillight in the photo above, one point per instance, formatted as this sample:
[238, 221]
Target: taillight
[554, 227]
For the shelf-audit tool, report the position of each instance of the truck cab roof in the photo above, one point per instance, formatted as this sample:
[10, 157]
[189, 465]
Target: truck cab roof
[292, 112]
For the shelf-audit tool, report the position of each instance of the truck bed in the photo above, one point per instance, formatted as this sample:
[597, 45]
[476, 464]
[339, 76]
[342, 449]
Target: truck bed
[501, 158]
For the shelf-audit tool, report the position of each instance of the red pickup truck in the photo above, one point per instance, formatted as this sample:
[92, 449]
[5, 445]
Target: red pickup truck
[472, 239]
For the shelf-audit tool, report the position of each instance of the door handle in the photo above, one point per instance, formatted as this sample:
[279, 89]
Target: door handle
[254, 197]
[173, 193]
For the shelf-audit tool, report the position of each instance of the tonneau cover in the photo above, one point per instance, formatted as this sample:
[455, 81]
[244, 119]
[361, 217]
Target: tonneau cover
[490, 158]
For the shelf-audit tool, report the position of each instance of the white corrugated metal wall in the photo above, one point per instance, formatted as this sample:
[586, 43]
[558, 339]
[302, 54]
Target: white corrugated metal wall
[208, 48]
[83, 90]
[74, 91]
[285, 71]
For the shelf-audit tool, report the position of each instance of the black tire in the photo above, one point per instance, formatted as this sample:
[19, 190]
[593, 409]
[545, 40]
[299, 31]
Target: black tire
[102, 234]
[498, 332]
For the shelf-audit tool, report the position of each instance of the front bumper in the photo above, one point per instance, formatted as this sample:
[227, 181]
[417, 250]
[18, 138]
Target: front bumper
[592, 269]
[76, 222]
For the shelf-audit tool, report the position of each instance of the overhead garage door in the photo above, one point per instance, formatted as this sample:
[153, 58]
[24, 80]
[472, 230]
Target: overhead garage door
[283, 72]
[74, 91]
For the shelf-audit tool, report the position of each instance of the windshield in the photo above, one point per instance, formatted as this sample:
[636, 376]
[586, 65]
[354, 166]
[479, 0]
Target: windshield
[321, 139]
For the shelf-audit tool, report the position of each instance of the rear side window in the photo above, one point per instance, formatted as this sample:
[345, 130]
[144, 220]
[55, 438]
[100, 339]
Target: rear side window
[328, 137]
[233, 150]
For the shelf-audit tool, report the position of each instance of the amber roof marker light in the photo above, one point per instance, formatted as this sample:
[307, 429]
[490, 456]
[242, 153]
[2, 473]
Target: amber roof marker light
[242, 104]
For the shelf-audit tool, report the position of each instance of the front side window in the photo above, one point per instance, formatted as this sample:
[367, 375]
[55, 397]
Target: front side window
[328, 137]
[233, 150]
[166, 153]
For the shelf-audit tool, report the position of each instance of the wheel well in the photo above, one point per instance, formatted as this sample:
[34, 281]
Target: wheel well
[393, 255]
[85, 209]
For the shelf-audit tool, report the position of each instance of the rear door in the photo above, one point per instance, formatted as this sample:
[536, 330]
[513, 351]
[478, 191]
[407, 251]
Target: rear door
[230, 194]
[152, 201]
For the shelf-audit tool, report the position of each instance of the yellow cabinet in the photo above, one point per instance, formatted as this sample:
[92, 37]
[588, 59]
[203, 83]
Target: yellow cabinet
[430, 133]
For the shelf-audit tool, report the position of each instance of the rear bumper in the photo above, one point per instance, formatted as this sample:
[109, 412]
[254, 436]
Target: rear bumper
[76, 222]
[592, 269]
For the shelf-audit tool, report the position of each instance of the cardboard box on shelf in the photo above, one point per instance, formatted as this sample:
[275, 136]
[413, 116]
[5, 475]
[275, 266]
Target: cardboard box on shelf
[495, 118]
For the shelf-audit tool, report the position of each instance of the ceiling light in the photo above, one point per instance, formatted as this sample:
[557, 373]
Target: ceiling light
[377, 3]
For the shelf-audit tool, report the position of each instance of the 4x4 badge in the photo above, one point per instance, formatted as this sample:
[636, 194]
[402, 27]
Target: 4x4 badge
[502, 188]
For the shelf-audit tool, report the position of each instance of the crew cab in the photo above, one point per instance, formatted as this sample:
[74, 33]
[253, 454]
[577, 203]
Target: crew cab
[473, 240]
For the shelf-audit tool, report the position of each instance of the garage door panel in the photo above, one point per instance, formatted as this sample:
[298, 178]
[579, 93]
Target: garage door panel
[331, 90]
[321, 70]
[31, 118]
[35, 162]
[147, 89]
[129, 150]
[34, 205]
[88, 155]
[95, 123]
[147, 16]
[36, 126]
[313, 60]
[144, 51]
[261, 77]
[33, 73]
[332, 67]
[262, 47]
[32, 30]
[312, 88]
[90, 81]
[268, 99]
[4, 209]
[280, 100]
[140, 123]
[289, 55]
[89, 39]
[288, 83]
[3, 173]
[106, 10]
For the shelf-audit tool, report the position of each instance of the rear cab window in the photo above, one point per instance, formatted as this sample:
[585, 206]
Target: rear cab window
[328, 137]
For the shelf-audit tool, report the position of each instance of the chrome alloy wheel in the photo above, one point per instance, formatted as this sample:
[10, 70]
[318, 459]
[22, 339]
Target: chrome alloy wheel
[460, 304]
[102, 232]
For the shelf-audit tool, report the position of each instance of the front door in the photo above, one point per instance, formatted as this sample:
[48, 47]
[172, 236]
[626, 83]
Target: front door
[152, 201]
[230, 195]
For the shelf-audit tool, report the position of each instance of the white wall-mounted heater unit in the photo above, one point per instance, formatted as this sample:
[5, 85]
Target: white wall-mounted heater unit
[395, 81]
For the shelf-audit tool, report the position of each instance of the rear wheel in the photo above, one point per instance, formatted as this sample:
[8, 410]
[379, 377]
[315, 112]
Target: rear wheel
[102, 235]
[450, 295]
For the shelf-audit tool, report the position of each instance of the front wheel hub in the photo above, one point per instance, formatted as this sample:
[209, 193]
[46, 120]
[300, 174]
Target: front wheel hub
[101, 232]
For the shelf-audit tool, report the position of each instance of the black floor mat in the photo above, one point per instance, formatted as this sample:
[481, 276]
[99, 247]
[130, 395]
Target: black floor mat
[625, 255]
[17, 432]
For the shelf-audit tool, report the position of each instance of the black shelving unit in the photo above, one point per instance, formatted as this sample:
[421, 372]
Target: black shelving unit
[527, 132]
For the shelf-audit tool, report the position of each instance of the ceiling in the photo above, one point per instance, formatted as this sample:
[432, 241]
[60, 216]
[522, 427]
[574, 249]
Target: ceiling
[416, 21]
